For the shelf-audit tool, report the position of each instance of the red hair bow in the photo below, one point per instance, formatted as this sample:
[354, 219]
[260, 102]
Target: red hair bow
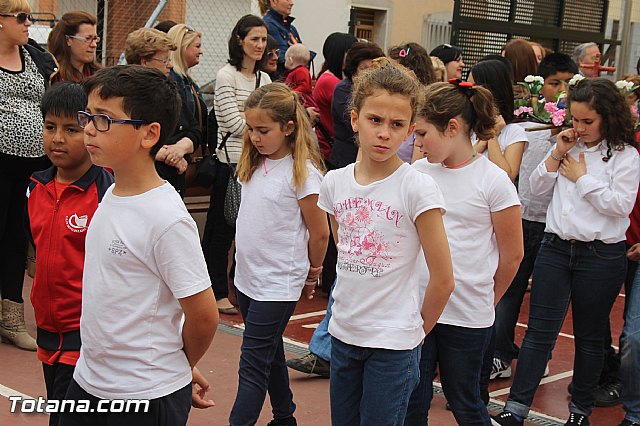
[460, 83]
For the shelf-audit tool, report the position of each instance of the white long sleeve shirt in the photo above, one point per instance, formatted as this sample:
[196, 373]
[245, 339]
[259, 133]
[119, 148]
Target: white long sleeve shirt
[596, 206]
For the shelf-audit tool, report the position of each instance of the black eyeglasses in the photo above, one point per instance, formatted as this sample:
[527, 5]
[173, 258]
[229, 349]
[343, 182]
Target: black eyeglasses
[88, 40]
[21, 17]
[102, 122]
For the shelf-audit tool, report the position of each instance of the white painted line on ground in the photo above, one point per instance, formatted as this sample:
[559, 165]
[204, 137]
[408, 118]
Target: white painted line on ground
[621, 295]
[568, 336]
[7, 392]
[545, 380]
[308, 315]
[284, 339]
[314, 326]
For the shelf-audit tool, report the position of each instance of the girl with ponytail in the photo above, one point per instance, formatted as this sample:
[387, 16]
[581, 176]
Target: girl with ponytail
[281, 239]
[483, 225]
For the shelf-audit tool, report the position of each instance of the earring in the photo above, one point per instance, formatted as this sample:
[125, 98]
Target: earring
[1, 26]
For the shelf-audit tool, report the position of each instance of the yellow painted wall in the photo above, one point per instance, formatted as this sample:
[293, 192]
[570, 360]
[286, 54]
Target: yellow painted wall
[615, 10]
[408, 18]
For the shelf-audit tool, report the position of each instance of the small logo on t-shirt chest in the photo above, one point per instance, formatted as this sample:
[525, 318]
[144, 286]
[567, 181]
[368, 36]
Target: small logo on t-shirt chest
[117, 248]
[77, 223]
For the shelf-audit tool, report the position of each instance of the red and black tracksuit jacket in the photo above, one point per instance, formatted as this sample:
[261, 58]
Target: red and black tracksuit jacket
[57, 226]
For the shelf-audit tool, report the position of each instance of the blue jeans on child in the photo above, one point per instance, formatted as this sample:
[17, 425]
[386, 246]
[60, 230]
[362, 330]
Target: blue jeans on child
[589, 275]
[263, 367]
[458, 352]
[508, 308]
[321, 340]
[630, 354]
[371, 386]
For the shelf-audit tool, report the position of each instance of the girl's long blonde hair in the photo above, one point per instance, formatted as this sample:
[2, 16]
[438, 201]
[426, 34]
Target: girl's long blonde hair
[282, 105]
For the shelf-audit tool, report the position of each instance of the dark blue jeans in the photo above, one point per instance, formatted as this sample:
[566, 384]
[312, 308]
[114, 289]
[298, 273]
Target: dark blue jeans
[371, 386]
[263, 367]
[508, 308]
[458, 352]
[589, 275]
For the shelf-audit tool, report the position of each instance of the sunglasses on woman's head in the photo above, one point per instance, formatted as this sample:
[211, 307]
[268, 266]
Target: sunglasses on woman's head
[21, 17]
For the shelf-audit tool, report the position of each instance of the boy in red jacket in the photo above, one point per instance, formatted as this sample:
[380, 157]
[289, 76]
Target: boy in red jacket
[61, 203]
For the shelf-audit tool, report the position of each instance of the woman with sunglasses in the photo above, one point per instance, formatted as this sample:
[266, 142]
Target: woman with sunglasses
[25, 71]
[269, 61]
[73, 42]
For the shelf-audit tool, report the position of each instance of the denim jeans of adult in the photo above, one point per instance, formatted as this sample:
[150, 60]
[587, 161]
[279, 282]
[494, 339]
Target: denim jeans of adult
[371, 386]
[321, 340]
[589, 276]
[263, 367]
[458, 352]
[630, 350]
[217, 237]
[508, 308]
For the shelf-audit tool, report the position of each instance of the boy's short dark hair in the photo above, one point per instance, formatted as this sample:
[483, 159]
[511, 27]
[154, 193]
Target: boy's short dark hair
[555, 63]
[147, 94]
[63, 99]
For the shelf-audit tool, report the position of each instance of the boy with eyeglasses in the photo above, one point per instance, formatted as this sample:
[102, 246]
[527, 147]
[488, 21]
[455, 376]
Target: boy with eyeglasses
[144, 269]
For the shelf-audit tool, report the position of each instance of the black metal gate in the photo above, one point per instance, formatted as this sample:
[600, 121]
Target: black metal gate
[483, 27]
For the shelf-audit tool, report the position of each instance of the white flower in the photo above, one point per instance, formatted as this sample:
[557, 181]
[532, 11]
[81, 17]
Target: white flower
[539, 79]
[624, 85]
[575, 79]
[529, 79]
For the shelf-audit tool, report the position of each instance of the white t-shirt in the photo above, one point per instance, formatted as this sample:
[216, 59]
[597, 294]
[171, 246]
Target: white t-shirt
[534, 208]
[272, 257]
[377, 302]
[142, 255]
[512, 133]
[471, 194]
[597, 206]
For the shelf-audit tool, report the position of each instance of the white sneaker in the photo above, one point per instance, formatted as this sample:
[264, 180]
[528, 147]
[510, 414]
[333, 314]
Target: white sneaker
[500, 369]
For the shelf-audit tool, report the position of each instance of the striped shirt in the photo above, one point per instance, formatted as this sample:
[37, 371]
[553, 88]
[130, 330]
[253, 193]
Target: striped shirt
[232, 89]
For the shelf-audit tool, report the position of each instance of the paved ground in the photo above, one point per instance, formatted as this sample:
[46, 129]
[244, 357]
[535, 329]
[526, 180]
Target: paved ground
[20, 373]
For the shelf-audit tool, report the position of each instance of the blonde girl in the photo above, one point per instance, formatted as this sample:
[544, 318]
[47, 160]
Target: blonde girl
[281, 239]
[382, 213]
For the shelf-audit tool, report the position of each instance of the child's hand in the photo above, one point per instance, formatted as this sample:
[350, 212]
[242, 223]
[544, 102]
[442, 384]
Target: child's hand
[309, 289]
[572, 169]
[200, 386]
[500, 124]
[565, 141]
[481, 146]
[633, 253]
[314, 115]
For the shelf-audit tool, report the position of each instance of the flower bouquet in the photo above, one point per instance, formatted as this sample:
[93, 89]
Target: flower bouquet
[536, 108]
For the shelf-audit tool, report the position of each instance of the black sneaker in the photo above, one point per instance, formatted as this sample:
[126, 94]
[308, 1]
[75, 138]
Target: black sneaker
[626, 422]
[577, 419]
[310, 364]
[609, 394]
[506, 418]
[289, 421]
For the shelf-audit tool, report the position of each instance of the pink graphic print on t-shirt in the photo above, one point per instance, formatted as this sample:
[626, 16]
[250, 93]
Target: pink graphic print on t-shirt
[363, 247]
